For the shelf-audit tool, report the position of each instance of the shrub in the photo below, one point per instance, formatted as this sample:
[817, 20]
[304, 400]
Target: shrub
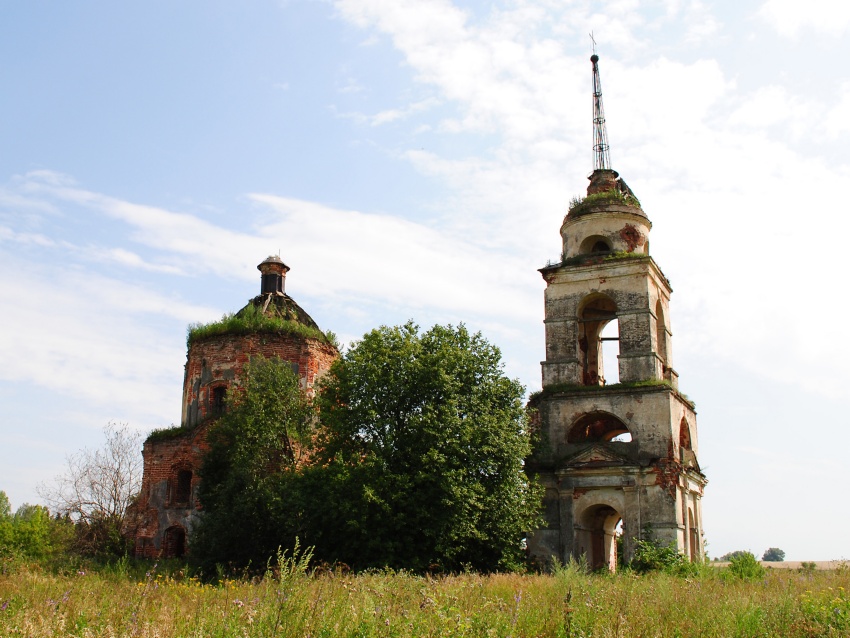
[746, 567]
[652, 555]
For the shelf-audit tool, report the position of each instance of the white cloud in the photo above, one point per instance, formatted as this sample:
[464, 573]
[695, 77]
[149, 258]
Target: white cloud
[790, 17]
[693, 145]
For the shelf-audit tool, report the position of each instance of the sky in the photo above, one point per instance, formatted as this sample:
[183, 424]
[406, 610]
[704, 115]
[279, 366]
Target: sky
[414, 159]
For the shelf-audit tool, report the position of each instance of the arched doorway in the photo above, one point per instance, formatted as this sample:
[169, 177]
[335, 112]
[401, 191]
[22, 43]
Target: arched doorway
[599, 525]
[174, 542]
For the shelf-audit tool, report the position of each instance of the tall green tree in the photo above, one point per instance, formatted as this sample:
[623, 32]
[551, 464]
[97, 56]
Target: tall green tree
[248, 477]
[421, 444]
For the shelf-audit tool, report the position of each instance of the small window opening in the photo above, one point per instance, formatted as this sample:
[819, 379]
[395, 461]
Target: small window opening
[600, 247]
[218, 404]
[684, 435]
[183, 487]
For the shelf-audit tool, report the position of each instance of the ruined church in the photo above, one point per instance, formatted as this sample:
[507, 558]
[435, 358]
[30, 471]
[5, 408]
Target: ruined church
[616, 452]
[615, 459]
[168, 507]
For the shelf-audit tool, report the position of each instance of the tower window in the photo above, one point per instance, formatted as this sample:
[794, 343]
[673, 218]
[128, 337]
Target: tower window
[594, 244]
[181, 488]
[597, 312]
[217, 401]
[598, 427]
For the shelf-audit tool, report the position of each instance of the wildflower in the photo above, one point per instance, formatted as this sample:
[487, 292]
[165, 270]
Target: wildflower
[4, 606]
[238, 603]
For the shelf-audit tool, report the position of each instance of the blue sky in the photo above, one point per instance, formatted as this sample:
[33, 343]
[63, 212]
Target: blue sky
[414, 159]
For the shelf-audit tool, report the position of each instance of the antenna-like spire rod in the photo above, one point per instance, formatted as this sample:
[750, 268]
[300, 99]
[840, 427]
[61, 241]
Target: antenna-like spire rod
[601, 155]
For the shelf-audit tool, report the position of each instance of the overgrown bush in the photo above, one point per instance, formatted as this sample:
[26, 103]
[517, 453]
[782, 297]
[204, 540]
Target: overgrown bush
[746, 567]
[652, 555]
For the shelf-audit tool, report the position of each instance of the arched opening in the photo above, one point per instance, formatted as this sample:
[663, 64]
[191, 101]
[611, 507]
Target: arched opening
[594, 244]
[595, 314]
[685, 435]
[598, 536]
[661, 336]
[174, 542]
[598, 427]
[693, 537]
[217, 400]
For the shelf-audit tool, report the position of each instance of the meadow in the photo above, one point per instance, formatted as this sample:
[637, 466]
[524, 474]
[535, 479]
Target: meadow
[147, 600]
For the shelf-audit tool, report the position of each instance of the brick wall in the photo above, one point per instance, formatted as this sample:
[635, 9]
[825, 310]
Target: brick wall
[211, 363]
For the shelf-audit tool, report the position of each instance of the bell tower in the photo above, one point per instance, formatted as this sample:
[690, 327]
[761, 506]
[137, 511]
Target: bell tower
[616, 450]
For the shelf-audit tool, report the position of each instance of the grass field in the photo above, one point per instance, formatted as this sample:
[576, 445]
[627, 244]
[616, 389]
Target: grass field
[130, 599]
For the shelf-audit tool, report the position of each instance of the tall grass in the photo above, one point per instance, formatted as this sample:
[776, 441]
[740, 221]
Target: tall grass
[140, 599]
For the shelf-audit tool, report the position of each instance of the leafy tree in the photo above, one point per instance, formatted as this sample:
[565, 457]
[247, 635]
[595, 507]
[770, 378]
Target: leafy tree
[773, 554]
[248, 487]
[5, 506]
[421, 451]
[96, 489]
[31, 532]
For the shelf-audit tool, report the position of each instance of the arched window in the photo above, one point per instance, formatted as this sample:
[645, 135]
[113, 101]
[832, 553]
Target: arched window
[685, 435]
[217, 403]
[596, 312]
[594, 244]
[597, 427]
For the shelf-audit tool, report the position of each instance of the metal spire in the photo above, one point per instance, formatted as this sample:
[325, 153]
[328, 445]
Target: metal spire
[601, 156]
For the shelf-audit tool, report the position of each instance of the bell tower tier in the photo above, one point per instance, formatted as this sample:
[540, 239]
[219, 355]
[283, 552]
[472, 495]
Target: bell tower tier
[616, 449]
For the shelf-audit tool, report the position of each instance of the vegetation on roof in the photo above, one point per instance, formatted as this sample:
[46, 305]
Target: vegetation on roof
[251, 319]
[164, 434]
[578, 205]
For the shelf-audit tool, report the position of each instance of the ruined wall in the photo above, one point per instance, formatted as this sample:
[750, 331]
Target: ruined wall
[159, 508]
[215, 362]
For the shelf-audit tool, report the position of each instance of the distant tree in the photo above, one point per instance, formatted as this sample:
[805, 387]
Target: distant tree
[249, 489]
[96, 489]
[773, 554]
[31, 532]
[731, 555]
[421, 450]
